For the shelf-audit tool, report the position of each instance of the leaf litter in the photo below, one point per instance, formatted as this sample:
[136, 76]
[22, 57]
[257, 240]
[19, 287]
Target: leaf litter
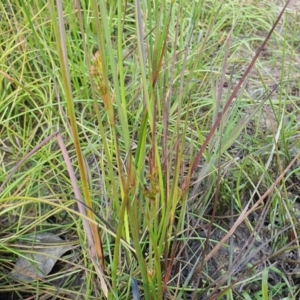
[36, 263]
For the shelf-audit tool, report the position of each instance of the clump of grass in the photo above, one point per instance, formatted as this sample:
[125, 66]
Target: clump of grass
[152, 123]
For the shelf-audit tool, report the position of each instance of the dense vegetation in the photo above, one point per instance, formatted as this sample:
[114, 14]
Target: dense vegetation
[149, 150]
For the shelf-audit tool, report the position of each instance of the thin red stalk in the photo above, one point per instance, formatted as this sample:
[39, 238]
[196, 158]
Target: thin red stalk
[229, 101]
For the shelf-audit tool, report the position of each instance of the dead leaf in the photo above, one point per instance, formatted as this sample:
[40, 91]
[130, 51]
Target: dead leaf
[43, 252]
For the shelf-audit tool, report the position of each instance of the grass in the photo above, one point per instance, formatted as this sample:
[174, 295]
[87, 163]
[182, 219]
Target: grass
[129, 131]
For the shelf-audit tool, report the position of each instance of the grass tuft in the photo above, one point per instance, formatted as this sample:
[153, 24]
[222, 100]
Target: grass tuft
[159, 140]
